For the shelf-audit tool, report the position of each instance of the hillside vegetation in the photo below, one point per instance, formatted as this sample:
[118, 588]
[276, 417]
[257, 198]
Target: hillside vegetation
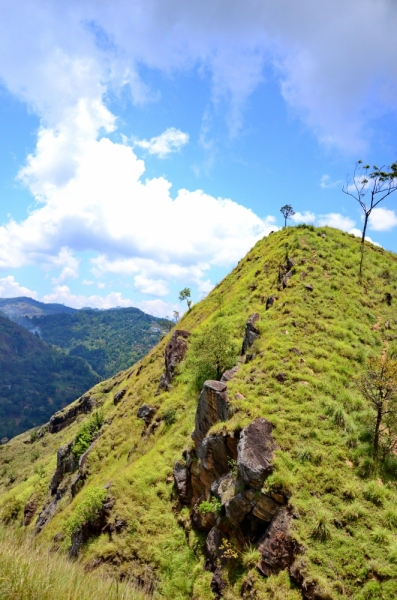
[36, 380]
[120, 512]
[109, 340]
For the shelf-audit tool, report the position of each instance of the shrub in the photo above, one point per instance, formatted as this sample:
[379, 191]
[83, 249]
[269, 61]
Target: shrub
[380, 535]
[86, 434]
[212, 506]
[322, 531]
[86, 510]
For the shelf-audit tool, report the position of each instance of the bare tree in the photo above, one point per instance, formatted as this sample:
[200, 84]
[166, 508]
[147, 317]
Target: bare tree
[379, 386]
[288, 212]
[378, 184]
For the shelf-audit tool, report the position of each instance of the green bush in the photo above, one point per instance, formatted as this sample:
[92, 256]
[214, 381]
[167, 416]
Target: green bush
[86, 434]
[212, 506]
[86, 510]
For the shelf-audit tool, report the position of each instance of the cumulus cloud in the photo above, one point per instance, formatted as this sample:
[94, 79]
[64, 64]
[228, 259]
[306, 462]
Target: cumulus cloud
[305, 217]
[9, 288]
[159, 308]
[171, 140]
[336, 220]
[88, 48]
[62, 295]
[382, 219]
[132, 226]
[358, 233]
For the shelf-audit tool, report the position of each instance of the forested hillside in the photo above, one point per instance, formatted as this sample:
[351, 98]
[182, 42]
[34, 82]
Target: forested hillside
[36, 380]
[109, 340]
[238, 458]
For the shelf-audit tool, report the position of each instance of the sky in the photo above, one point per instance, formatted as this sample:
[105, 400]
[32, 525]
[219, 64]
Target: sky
[147, 145]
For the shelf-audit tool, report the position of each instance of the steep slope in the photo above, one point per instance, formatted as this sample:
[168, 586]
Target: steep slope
[276, 495]
[36, 380]
[109, 340]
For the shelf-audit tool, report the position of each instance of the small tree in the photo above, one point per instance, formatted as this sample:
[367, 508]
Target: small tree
[378, 184]
[379, 386]
[288, 212]
[185, 295]
[175, 316]
[212, 352]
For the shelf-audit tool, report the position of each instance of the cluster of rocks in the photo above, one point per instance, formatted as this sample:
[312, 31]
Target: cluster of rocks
[227, 470]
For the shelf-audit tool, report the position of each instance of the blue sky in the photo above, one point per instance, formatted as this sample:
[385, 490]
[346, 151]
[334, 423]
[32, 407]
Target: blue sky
[145, 146]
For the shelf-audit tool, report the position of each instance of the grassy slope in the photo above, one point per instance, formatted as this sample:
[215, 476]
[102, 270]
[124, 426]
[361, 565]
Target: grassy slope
[317, 413]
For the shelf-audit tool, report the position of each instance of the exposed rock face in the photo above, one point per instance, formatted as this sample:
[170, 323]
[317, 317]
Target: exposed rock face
[65, 464]
[146, 413]
[278, 549]
[174, 354]
[63, 418]
[251, 333]
[182, 482]
[255, 453]
[213, 406]
[117, 398]
[228, 375]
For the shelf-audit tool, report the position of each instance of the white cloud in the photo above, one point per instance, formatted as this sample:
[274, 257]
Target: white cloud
[62, 295]
[335, 220]
[305, 217]
[9, 288]
[382, 219]
[159, 308]
[326, 182]
[86, 48]
[154, 287]
[171, 140]
[130, 225]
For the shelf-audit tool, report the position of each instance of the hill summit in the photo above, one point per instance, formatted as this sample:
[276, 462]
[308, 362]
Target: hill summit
[236, 459]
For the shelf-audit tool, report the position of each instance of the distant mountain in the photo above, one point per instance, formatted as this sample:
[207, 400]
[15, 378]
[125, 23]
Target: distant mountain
[21, 309]
[36, 380]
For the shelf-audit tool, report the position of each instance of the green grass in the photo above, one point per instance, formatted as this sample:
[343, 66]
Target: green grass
[346, 504]
[29, 572]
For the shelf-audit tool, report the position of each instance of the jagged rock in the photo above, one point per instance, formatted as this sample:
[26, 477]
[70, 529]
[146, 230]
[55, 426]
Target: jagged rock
[251, 333]
[290, 263]
[202, 521]
[214, 541]
[228, 375]
[29, 512]
[119, 396]
[277, 547]
[218, 585]
[146, 413]
[213, 406]
[255, 452]
[65, 464]
[270, 301]
[295, 351]
[66, 416]
[182, 482]
[174, 354]
[48, 510]
[309, 287]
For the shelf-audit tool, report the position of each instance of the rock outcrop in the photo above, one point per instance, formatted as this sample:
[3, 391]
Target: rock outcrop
[146, 413]
[174, 354]
[66, 463]
[117, 398]
[277, 547]
[64, 417]
[213, 406]
[251, 333]
[255, 453]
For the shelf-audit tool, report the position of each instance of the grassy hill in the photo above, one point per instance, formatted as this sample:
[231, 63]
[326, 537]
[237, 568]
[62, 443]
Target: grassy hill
[36, 380]
[120, 510]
